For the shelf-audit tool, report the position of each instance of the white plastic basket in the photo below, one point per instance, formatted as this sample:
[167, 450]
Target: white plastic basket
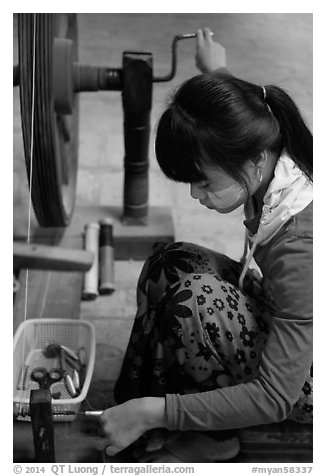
[31, 337]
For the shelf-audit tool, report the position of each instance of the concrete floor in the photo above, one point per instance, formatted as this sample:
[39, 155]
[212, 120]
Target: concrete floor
[264, 48]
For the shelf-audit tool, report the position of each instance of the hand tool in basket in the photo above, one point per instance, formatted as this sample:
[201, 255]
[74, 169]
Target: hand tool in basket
[62, 352]
[67, 378]
[45, 378]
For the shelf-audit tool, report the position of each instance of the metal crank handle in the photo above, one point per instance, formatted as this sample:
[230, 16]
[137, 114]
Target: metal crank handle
[168, 77]
[185, 36]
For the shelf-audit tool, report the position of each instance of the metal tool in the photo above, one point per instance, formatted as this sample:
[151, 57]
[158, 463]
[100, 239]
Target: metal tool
[74, 364]
[70, 352]
[176, 39]
[54, 350]
[94, 413]
[67, 378]
[45, 378]
[76, 380]
[65, 354]
[82, 356]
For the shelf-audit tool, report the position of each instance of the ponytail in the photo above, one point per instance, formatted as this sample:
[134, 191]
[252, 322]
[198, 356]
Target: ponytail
[296, 137]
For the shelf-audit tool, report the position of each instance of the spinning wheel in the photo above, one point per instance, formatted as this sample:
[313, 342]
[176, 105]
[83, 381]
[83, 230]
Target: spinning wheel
[46, 51]
[50, 79]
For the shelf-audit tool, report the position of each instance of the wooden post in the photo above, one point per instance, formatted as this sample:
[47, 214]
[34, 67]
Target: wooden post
[137, 104]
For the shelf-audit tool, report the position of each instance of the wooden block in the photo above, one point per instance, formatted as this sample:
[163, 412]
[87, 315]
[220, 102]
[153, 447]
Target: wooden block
[51, 257]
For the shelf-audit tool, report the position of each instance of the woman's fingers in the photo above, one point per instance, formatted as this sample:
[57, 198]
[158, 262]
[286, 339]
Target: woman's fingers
[208, 35]
[203, 35]
[112, 450]
[102, 443]
[122, 425]
[155, 440]
[210, 55]
[200, 38]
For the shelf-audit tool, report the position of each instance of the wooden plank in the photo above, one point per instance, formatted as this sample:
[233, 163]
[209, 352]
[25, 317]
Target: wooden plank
[286, 441]
[51, 257]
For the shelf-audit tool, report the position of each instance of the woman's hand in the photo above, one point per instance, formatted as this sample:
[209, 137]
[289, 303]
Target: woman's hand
[124, 424]
[210, 55]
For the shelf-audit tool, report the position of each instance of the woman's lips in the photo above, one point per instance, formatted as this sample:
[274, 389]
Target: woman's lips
[207, 205]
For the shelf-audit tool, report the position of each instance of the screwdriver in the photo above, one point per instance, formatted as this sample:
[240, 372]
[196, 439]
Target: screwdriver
[88, 413]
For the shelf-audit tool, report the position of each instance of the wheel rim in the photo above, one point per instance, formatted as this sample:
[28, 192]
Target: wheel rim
[55, 156]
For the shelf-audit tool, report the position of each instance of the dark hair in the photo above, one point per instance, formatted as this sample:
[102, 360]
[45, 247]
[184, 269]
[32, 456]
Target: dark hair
[223, 120]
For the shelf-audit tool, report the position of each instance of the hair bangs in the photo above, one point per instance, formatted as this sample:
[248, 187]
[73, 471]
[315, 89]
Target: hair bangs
[176, 148]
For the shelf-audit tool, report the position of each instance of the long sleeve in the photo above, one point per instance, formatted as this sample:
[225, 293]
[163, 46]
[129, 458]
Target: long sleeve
[286, 264]
[284, 366]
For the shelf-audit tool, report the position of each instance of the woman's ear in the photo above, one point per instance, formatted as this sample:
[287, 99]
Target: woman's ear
[262, 158]
[257, 165]
[261, 164]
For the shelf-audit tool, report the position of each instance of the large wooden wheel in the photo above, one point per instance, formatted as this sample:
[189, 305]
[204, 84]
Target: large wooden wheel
[55, 137]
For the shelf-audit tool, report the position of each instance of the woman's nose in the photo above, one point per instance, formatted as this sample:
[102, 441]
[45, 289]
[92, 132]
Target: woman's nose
[196, 192]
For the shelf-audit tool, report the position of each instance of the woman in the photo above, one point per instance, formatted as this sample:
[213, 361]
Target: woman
[215, 345]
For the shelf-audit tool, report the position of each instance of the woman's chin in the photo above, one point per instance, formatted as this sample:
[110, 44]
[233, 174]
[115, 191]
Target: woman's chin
[226, 210]
[218, 210]
[230, 209]
[223, 211]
